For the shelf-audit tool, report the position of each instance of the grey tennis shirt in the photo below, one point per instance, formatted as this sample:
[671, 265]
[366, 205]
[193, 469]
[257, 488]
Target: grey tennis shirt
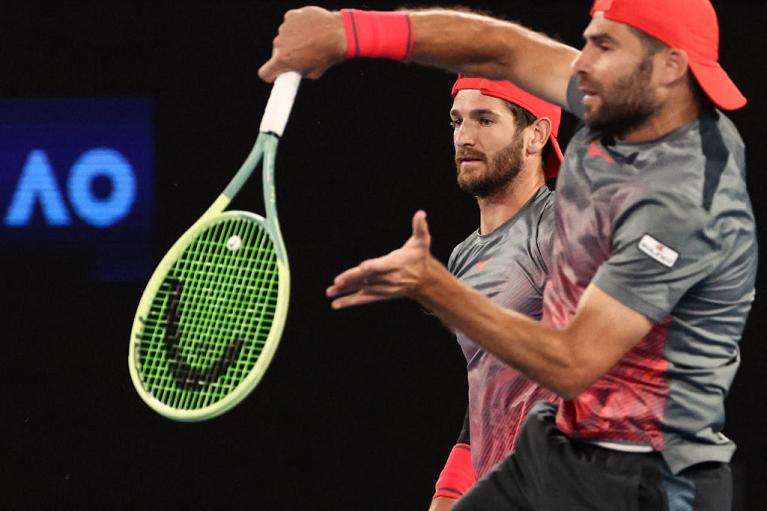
[508, 265]
[666, 228]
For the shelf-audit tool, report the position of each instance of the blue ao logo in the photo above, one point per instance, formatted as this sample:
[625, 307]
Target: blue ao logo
[38, 185]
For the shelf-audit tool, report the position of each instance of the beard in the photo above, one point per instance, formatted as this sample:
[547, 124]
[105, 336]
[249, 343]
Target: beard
[626, 105]
[499, 172]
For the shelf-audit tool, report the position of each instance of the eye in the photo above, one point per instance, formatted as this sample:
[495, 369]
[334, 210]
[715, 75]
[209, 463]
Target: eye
[602, 45]
[455, 123]
[484, 121]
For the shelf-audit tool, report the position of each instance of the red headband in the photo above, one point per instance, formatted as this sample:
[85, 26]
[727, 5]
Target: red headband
[536, 106]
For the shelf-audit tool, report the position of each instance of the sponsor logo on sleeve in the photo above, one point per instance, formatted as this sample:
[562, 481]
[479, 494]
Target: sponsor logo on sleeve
[658, 251]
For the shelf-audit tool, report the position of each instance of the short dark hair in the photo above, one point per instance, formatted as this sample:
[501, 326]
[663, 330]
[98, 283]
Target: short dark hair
[650, 44]
[522, 118]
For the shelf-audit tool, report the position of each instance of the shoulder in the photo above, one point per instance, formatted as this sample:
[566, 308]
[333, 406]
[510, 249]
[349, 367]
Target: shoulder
[544, 212]
[666, 203]
[541, 205]
[459, 252]
[667, 216]
[718, 122]
[542, 234]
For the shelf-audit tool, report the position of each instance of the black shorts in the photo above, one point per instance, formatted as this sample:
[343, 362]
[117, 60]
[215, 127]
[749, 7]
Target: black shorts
[550, 472]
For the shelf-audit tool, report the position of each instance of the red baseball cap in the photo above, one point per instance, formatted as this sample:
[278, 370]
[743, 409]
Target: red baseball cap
[690, 25]
[536, 106]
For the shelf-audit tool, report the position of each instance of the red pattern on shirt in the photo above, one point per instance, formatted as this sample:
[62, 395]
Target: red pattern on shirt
[628, 402]
[500, 399]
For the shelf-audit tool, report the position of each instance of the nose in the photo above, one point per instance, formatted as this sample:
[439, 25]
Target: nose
[581, 64]
[463, 135]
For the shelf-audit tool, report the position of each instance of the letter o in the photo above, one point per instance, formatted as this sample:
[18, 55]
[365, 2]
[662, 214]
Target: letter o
[101, 161]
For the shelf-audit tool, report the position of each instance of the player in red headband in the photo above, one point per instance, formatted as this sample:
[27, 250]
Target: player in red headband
[505, 145]
[654, 254]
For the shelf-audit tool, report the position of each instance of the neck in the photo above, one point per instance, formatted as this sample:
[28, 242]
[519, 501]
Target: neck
[671, 115]
[496, 209]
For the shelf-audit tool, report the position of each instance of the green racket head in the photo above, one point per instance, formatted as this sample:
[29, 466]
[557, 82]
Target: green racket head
[211, 317]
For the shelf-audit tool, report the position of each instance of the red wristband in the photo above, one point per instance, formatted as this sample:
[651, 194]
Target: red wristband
[378, 34]
[458, 475]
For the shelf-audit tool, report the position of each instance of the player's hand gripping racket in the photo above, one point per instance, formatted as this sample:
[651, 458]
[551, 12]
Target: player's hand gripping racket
[212, 314]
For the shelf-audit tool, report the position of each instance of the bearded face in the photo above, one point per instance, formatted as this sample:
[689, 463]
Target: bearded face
[483, 176]
[624, 104]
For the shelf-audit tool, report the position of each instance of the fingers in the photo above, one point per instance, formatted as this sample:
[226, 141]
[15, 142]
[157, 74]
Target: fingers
[309, 41]
[354, 300]
[363, 296]
[316, 73]
[399, 273]
[353, 288]
[372, 271]
[346, 282]
[271, 69]
[421, 227]
[276, 65]
[369, 273]
[371, 281]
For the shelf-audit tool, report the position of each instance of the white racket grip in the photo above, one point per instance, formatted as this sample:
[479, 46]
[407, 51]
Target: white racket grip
[280, 102]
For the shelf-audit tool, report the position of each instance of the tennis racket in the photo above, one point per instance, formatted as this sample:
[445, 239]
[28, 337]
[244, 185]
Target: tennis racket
[212, 314]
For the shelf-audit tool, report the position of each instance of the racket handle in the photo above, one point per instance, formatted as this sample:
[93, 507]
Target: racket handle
[280, 102]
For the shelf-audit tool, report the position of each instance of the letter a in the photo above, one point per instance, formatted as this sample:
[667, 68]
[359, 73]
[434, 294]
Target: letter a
[37, 182]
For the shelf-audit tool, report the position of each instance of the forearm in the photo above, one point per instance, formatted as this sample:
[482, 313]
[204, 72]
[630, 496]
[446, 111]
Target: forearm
[566, 360]
[478, 45]
[543, 354]
[442, 504]
[311, 39]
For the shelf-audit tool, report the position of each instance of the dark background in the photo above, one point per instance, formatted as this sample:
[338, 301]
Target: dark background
[359, 407]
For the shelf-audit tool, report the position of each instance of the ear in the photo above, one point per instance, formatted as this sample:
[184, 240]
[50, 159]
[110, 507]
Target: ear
[674, 65]
[538, 134]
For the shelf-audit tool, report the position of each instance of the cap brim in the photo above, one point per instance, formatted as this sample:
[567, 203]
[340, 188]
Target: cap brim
[718, 86]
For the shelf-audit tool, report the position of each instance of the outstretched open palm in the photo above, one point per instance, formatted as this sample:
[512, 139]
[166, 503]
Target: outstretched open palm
[399, 273]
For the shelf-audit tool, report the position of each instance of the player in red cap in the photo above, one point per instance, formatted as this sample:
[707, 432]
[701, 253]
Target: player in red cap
[654, 253]
[505, 145]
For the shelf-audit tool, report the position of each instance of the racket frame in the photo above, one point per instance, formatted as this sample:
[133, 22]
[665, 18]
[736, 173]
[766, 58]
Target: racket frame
[265, 148]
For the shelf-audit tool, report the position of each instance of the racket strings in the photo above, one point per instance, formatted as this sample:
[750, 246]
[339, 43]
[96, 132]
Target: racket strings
[209, 320]
[222, 285]
[211, 290]
[193, 400]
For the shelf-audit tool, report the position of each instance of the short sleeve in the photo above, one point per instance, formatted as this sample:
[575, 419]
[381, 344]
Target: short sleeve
[575, 98]
[661, 247]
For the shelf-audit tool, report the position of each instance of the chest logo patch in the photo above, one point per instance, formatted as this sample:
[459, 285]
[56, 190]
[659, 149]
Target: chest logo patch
[481, 264]
[595, 151]
[658, 251]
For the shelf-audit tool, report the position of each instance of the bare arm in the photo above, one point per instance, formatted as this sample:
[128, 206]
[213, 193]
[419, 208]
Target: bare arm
[311, 39]
[482, 46]
[566, 361]
[442, 504]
